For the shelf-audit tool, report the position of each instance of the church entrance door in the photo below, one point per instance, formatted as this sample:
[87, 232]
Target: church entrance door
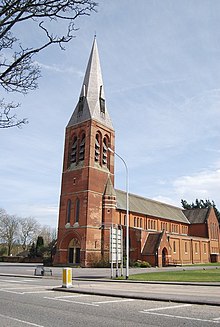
[164, 257]
[74, 252]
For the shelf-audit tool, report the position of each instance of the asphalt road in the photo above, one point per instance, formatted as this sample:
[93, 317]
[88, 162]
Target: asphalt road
[32, 302]
[28, 269]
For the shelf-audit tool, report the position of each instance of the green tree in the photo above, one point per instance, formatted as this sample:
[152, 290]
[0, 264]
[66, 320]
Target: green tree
[39, 246]
[51, 22]
[201, 204]
[32, 251]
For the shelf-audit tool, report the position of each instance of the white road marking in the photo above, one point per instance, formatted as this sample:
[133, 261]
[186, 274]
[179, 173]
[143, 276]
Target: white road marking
[27, 290]
[173, 307]
[114, 301]
[22, 293]
[69, 296]
[32, 280]
[23, 321]
[216, 319]
[94, 303]
[180, 317]
[36, 292]
[77, 302]
[9, 281]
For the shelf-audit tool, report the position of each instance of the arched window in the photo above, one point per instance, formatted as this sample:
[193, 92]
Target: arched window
[140, 222]
[68, 211]
[174, 246]
[77, 210]
[82, 148]
[73, 153]
[97, 148]
[105, 151]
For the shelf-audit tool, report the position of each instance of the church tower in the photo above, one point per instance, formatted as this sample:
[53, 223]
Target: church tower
[87, 168]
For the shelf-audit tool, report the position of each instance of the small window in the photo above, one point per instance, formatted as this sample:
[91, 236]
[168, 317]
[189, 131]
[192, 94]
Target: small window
[186, 250]
[102, 105]
[196, 248]
[134, 221]
[80, 106]
[105, 152]
[73, 153]
[174, 246]
[140, 222]
[68, 211]
[82, 148]
[97, 148]
[77, 210]
[102, 102]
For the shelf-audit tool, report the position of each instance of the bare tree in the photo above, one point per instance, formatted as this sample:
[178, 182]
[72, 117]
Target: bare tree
[48, 233]
[18, 71]
[8, 229]
[29, 228]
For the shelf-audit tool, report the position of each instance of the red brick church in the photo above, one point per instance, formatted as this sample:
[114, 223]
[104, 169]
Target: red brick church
[159, 233]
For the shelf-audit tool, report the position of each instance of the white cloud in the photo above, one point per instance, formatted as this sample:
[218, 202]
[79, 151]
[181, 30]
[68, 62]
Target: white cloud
[60, 69]
[202, 185]
[167, 200]
[45, 213]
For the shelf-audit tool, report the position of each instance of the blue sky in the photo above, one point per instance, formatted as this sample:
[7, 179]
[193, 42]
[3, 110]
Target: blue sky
[161, 71]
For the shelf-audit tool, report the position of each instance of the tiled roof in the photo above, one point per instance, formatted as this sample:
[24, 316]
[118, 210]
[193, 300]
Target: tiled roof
[196, 216]
[91, 92]
[150, 207]
[109, 189]
[152, 243]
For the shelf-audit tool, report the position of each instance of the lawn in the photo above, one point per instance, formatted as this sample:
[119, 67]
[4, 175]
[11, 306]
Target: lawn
[209, 275]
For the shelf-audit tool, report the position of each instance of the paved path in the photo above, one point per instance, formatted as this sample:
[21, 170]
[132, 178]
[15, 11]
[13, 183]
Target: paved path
[183, 293]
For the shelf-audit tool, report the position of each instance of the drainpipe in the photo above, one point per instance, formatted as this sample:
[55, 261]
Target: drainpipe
[192, 250]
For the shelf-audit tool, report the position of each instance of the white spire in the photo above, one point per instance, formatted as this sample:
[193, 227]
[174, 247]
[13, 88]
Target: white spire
[91, 103]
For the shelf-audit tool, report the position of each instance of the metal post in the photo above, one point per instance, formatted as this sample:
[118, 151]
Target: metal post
[112, 268]
[127, 214]
[116, 229]
[122, 251]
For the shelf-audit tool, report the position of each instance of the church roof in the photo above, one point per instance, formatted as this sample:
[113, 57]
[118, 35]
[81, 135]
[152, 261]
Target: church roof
[150, 207]
[152, 243]
[109, 189]
[197, 216]
[91, 104]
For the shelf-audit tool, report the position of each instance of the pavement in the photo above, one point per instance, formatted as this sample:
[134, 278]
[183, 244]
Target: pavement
[185, 292]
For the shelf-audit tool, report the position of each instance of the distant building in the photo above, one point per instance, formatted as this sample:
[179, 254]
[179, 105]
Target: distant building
[160, 233]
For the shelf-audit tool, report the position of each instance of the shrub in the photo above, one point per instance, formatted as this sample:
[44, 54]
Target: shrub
[141, 264]
[101, 264]
[47, 261]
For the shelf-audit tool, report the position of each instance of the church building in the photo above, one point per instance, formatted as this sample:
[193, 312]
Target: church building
[159, 233]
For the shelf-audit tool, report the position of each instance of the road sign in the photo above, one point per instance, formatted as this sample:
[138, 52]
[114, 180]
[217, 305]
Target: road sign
[116, 245]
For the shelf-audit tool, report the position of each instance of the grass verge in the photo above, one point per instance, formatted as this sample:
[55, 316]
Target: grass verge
[211, 275]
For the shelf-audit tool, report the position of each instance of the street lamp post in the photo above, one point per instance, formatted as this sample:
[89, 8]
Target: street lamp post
[127, 212]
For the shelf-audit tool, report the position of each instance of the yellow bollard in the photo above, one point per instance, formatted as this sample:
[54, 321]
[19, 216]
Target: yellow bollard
[67, 277]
